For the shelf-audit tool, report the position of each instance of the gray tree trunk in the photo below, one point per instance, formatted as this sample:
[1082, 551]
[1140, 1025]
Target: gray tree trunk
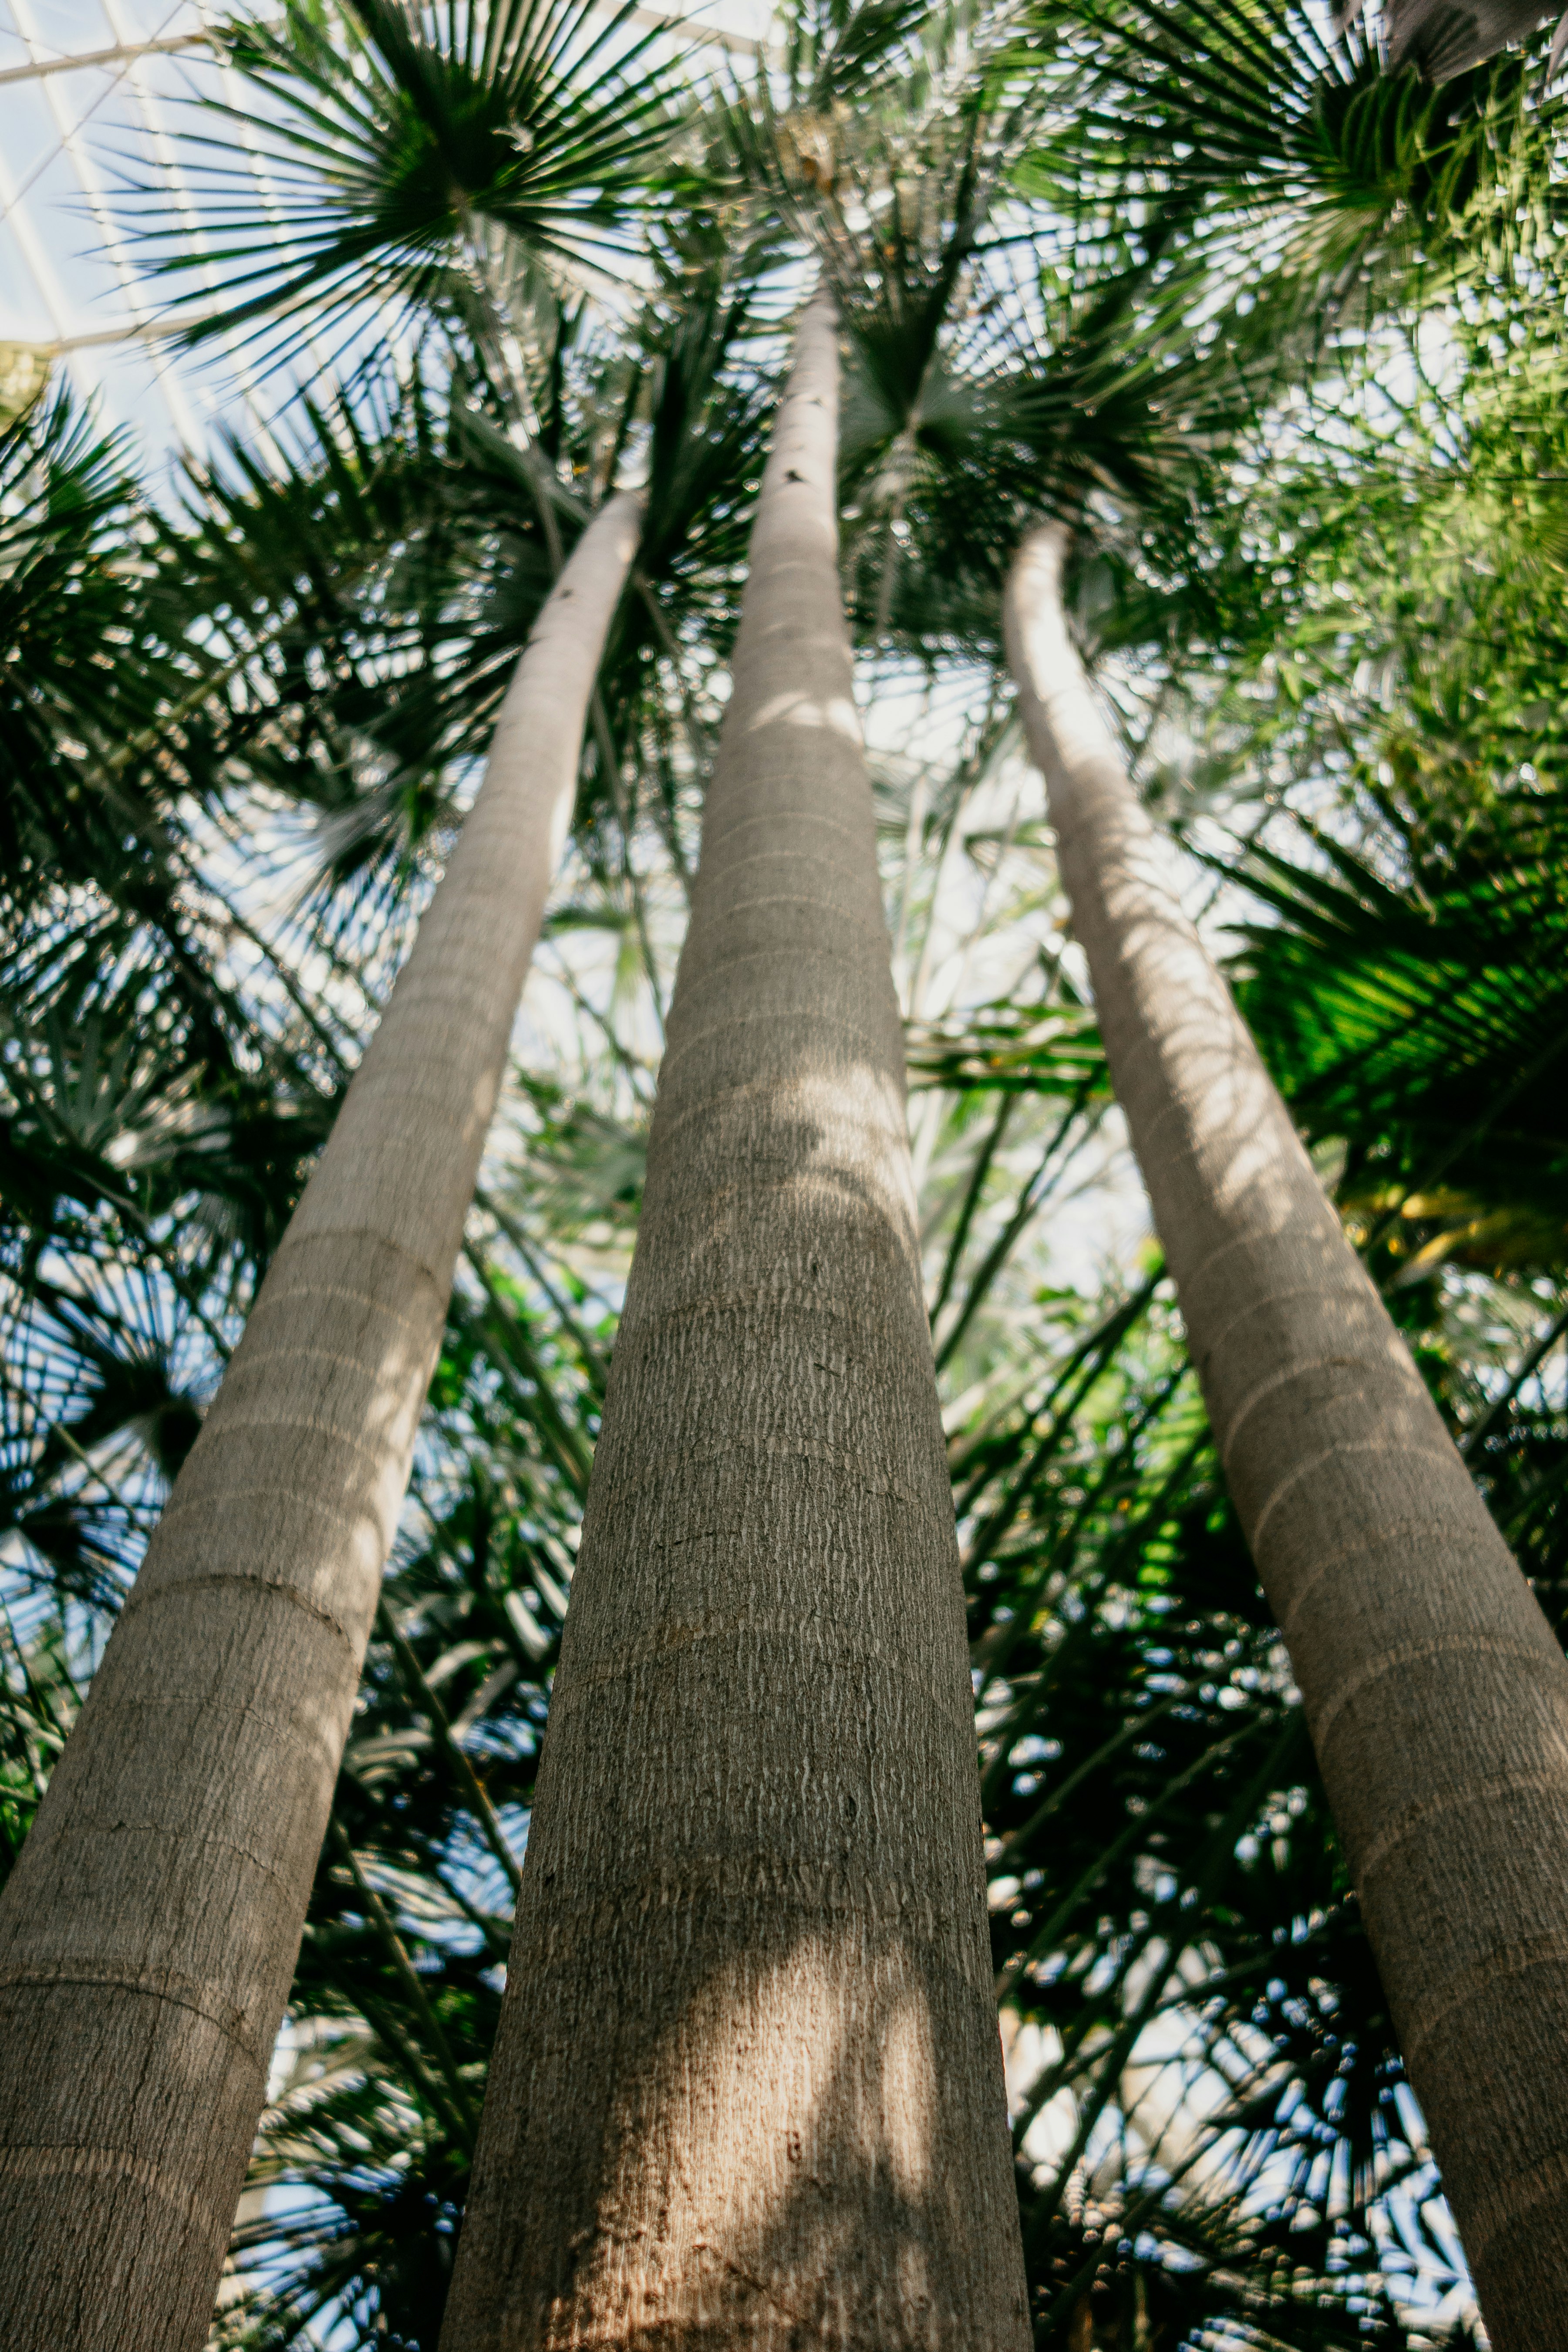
[149, 1931]
[748, 2087]
[1437, 1695]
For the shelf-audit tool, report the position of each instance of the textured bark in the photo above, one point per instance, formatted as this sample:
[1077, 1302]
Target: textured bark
[748, 2088]
[149, 1932]
[1435, 1694]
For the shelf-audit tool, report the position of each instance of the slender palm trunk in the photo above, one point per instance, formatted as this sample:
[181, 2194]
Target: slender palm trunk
[748, 2086]
[149, 1932]
[1437, 1695]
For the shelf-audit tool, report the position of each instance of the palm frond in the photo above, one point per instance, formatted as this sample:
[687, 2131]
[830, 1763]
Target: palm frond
[398, 142]
[1426, 1026]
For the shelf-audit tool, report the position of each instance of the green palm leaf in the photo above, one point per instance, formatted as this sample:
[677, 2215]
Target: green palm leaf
[1342, 176]
[398, 145]
[1427, 1028]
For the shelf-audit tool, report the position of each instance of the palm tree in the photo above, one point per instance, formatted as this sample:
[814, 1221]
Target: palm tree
[151, 1925]
[150, 1945]
[1437, 1695]
[748, 2061]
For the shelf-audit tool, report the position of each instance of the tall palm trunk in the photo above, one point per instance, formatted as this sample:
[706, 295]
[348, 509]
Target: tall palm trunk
[748, 2086]
[149, 1931]
[1437, 1695]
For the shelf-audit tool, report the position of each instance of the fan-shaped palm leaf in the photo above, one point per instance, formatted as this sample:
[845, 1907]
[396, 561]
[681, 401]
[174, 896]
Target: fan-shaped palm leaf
[1427, 1028]
[398, 141]
[1347, 176]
